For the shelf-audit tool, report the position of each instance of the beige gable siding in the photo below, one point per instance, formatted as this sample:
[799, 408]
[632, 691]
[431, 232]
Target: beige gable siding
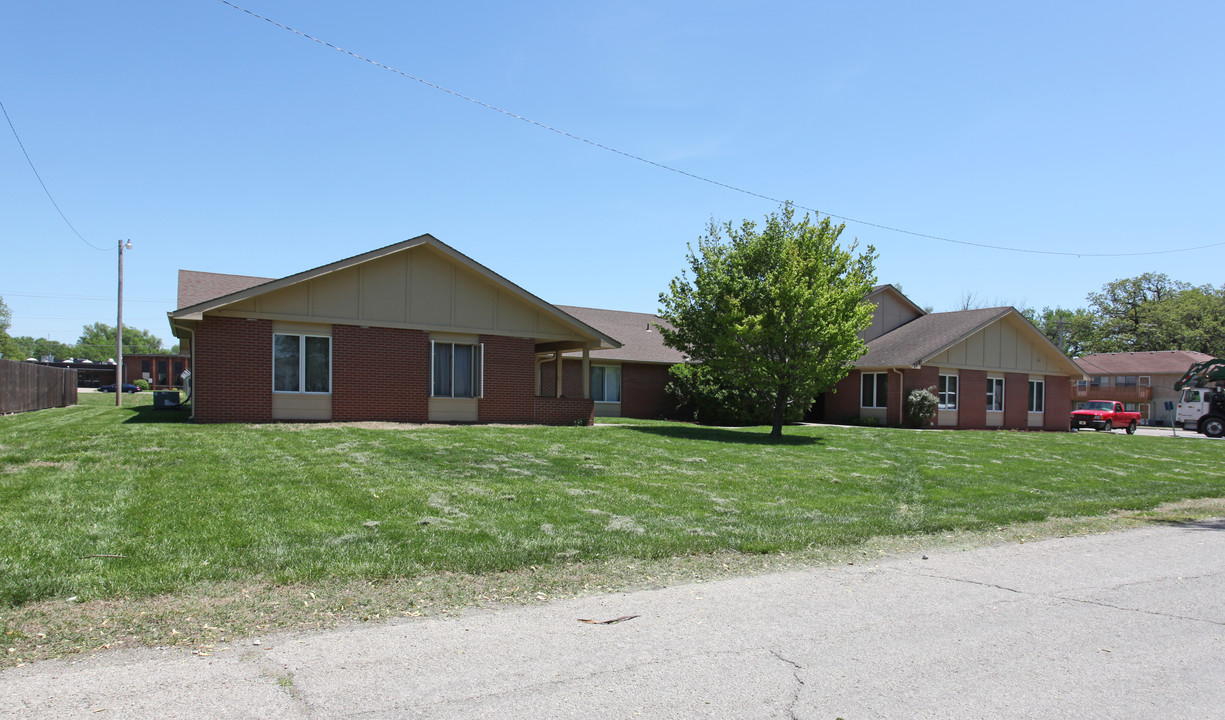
[890, 313]
[999, 346]
[419, 288]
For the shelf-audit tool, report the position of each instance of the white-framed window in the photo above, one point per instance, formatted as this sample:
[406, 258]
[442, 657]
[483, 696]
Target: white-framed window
[606, 383]
[1037, 396]
[457, 370]
[875, 387]
[946, 392]
[301, 363]
[1126, 381]
[1145, 381]
[995, 394]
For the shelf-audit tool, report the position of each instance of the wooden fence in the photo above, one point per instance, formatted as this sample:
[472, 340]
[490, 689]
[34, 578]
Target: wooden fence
[26, 386]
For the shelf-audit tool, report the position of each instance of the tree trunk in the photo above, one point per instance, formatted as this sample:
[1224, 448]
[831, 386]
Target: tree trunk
[780, 404]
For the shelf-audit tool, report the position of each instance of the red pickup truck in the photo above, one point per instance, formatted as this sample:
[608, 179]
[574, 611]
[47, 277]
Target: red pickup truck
[1104, 415]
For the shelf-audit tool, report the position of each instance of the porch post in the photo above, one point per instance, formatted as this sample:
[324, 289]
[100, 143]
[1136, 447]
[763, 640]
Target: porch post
[557, 360]
[586, 374]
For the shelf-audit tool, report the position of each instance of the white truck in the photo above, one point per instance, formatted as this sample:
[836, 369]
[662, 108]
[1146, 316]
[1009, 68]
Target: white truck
[1201, 407]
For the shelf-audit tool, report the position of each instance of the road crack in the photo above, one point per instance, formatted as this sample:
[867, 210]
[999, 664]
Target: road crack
[799, 682]
[1097, 603]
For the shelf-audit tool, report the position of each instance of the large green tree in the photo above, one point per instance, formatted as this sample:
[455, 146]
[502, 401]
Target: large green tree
[1073, 331]
[6, 322]
[24, 346]
[97, 342]
[774, 312]
[1130, 313]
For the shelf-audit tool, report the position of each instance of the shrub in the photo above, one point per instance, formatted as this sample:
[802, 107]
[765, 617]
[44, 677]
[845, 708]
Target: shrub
[920, 407]
[141, 383]
[701, 397]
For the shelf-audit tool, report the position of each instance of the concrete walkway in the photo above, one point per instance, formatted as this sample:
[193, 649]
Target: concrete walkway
[1123, 625]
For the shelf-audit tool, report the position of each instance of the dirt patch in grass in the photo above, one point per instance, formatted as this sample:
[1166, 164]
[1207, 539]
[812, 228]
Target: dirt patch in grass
[38, 464]
[207, 617]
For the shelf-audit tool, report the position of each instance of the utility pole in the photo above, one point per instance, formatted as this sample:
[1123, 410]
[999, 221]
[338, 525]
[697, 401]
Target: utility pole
[119, 330]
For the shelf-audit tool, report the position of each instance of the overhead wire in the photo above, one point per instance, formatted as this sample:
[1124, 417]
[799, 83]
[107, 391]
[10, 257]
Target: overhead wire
[40, 181]
[82, 297]
[694, 176]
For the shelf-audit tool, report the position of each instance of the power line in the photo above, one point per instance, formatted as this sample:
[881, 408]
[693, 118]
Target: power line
[40, 180]
[693, 176]
[82, 297]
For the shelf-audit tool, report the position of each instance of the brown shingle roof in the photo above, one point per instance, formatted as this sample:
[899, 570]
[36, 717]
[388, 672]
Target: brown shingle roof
[925, 336]
[1140, 363]
[197, 287]
[640, 339]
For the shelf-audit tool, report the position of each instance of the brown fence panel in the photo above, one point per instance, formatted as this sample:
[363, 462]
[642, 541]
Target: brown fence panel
[26, 386]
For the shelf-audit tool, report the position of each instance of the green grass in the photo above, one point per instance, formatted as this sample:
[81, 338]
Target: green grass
[186, 503]
[112, 505]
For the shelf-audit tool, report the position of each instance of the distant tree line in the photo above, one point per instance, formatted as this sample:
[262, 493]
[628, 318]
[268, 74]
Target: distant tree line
[1143, 313]
[96, 343]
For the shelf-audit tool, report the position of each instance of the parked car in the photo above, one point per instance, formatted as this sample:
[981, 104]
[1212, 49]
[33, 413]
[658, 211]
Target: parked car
[1104, 415]
[127, 388]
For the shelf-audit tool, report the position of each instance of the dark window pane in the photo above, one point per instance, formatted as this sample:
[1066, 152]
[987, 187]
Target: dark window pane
[597, 384]
[442, 369]
[285, 356]
[463, 371]
[318, 361]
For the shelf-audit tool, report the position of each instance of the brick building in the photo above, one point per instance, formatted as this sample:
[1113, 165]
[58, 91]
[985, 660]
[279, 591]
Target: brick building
[991, 369]
[628, 381]
[1142, 381]
[413, 332]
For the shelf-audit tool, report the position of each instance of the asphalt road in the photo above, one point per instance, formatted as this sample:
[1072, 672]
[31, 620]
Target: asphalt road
[1124, 625]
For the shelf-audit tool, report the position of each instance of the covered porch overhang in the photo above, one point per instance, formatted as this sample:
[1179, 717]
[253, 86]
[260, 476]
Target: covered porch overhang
[555, 351]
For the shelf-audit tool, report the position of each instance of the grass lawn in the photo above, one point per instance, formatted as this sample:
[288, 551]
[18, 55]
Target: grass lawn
[144, 520]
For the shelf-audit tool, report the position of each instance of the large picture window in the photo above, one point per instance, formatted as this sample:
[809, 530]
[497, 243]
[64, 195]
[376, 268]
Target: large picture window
[1037, 396]
[947, 392]
[995, 394]
[456, 370]
[301, 363]
[875, 390]
[605, 383]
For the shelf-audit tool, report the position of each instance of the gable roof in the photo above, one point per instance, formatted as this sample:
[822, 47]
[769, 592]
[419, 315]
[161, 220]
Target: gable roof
[893, 290]
[926, 337]
[640, 339]
[197, 287]
[1155, 362]
[242, 287]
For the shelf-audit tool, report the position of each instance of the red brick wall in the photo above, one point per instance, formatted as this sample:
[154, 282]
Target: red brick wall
[510, 388]
[972, 399]
[380, 374]
[1058, 403]
[842, 400]
[571, 378]
[1016, 401]
[894, 396]
[642, 391]
[563, 411]
[232, 379]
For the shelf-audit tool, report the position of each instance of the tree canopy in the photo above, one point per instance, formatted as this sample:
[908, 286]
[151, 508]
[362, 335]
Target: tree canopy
[6, 321]
[1142, 313]
[772, 313]
[97, 341]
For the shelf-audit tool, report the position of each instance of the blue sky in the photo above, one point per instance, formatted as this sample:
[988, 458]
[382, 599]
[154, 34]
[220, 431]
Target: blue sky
[216, 141]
